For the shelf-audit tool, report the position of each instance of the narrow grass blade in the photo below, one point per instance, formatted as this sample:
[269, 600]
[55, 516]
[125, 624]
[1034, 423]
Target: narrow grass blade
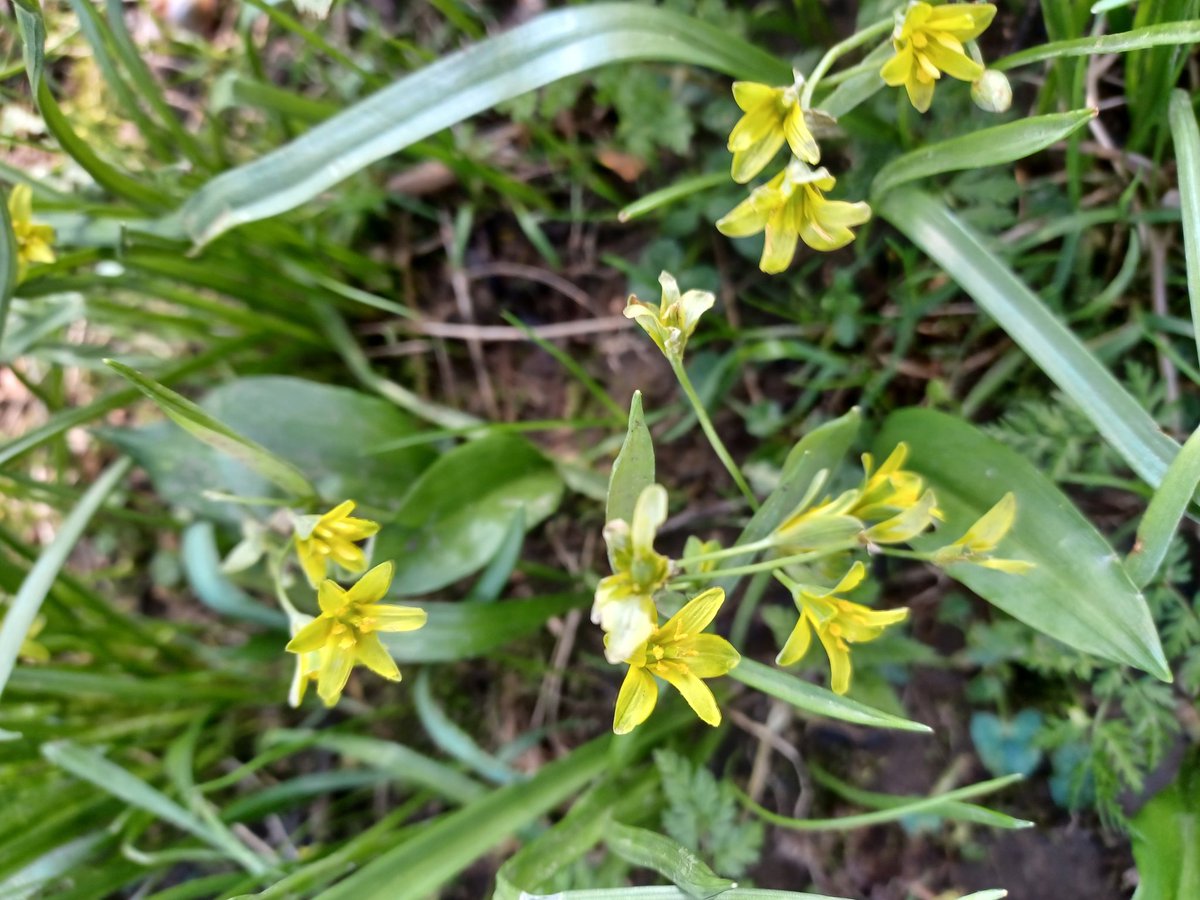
[194, 420]
[454, 740]
[28, 600]
[673, 193]
[882, 816]
[816, 700]
[1165, 512]
[88, 765]
[1186, 135]
[1167, 34]
[553, 46]
[8, 262]
[650, 850]
[986, 147]
[1118, 417]
[674, 893]
[442, 849]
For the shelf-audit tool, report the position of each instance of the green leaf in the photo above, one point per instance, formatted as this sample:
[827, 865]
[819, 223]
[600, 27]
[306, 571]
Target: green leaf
[28, 600]
[1166, 839]
[1165, 512]
[815, 700]
[551, 47]
[457, 514]
[1186, 135]
[204, 427]
[1138, 39]
[33, 40]
[859, 88]
[492, 580]
[8, 263]
[1118, 417]
[467, 630]
[633, 469]
[674, 893]
[673, 193]
[446, 846]
[1078, 592]
[452, 739]
[822, 449]
[650, 850]
[88, 765]
[986, 147]
[202, 564]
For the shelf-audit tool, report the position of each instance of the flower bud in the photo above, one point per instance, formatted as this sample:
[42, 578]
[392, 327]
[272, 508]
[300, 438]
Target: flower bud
[992, 92]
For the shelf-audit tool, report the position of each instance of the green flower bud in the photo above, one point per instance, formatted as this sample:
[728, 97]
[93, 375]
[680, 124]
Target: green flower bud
[992, 92]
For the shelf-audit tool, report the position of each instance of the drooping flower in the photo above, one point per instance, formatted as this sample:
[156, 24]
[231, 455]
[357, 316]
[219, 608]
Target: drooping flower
[928, 41]
[345, 633]
[330, 538]
[683, 656]
[624, 603]
[772, 115]
[792, 207]
[673, 320]
[33, 241]
[838, 623]
[982, 538]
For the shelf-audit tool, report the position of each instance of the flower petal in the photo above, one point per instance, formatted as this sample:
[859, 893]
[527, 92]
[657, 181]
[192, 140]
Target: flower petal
[797, 643]
[649, 512]
[748, 94]
[312, 560]
[711, 656]
[956, 65]
[751, 157]
[779, 248]
[394, 618]
[897, 70]
[799, 137]
[840, 669]
[372, 654]
[695, 615]
[696, 693]
[332, 597]
[335, 672]
[373, 586]
[636, 700]
[312, 636]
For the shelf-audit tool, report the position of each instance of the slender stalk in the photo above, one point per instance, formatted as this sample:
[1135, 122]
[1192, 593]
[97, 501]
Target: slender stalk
[711, 433]
[769, 565]
[737, 550]
[834, 53]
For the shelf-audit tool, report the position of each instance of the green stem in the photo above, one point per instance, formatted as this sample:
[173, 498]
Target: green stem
[711, 433]
[834, 53]
[837, 78]
[768, 565]
[737, 550]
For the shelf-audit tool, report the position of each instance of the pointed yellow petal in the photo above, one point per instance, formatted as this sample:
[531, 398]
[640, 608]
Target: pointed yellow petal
[394, 618]
[751, 157]
[312, 636]
[312, 560]
[852, 579]
[373, 586]
[956, 65]
[20, 203]
[649, 512]
[920, 93]
[749, 94]
[710, 656]
[335, 672]
[372, 654]
[897, 70]
[331, 597]
[779, 248]
[797, 643]
[340, 511]
[697, 694]
[799, 137]
[840, 669]
[695, 615]
[636, 700]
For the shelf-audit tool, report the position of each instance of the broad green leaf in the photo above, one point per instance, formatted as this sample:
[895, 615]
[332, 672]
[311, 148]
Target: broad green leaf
[24, 607]
[446, 846]
[1166, 839]
[202, 565]
[650, 850]
[8, 262]
[954, 246]
[88, 765]
[821, 450]
[551, 47]
[215, 433]
[815, 700]
[32, 879]
[491, 581]
[1078, 592]
[467, 630]
[1138, 39]
[878, 817]
[1186, 135]
[456, 515]
[1165, 512]
[986, 147]
[633, 469]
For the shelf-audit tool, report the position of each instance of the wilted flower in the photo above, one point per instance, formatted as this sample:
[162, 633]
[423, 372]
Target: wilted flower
[792, 207]
[838, 623]
[624, 603]
[672, 322]
[929, 41]
[772, 115]
[983, 537]
[345, 633]
[33, 241]
[329, 538]
[681, 655]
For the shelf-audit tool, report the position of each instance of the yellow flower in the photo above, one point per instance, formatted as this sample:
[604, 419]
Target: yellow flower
[983, 537]
[331, 537]
[33, 241]
[929, 41]
[624, 602]
[772, 116]
[31, 651]
[672, 322]
[345, 633]
[890, 488]
[838, 623]
[681, 655]
[791, 207]
[308, 665]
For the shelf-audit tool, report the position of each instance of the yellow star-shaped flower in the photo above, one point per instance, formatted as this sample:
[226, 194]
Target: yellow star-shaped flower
[331, 537]
[772, 115]
[680, 654]
[345, 633]
[929, 41]
[673, 320]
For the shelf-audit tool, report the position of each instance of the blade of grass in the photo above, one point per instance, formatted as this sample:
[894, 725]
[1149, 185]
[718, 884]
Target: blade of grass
[1165, 512]
[1186, 135]
[1123, 42]
[8, 262]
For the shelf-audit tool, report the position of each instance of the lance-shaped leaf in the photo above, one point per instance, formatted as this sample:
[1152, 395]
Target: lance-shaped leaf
[1078, 592]
[633, 469]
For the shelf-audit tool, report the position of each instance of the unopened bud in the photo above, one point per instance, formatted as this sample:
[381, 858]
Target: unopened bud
[992, 92]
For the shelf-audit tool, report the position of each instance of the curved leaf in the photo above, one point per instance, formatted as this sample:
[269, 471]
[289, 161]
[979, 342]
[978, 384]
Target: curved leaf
[1167, 34]
[458, 512]
[633, 469]
[1078, 593]
[1186, 135]
[650, 850]
[986, 147]
[1165, 512]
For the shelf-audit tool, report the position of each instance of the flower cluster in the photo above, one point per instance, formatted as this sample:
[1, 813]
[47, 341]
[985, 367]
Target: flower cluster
[33, 241]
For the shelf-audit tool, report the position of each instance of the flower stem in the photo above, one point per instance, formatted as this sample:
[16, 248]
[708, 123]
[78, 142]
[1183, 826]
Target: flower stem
[711, 433]
[768, 565]
[736, 550]
[834, 53]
